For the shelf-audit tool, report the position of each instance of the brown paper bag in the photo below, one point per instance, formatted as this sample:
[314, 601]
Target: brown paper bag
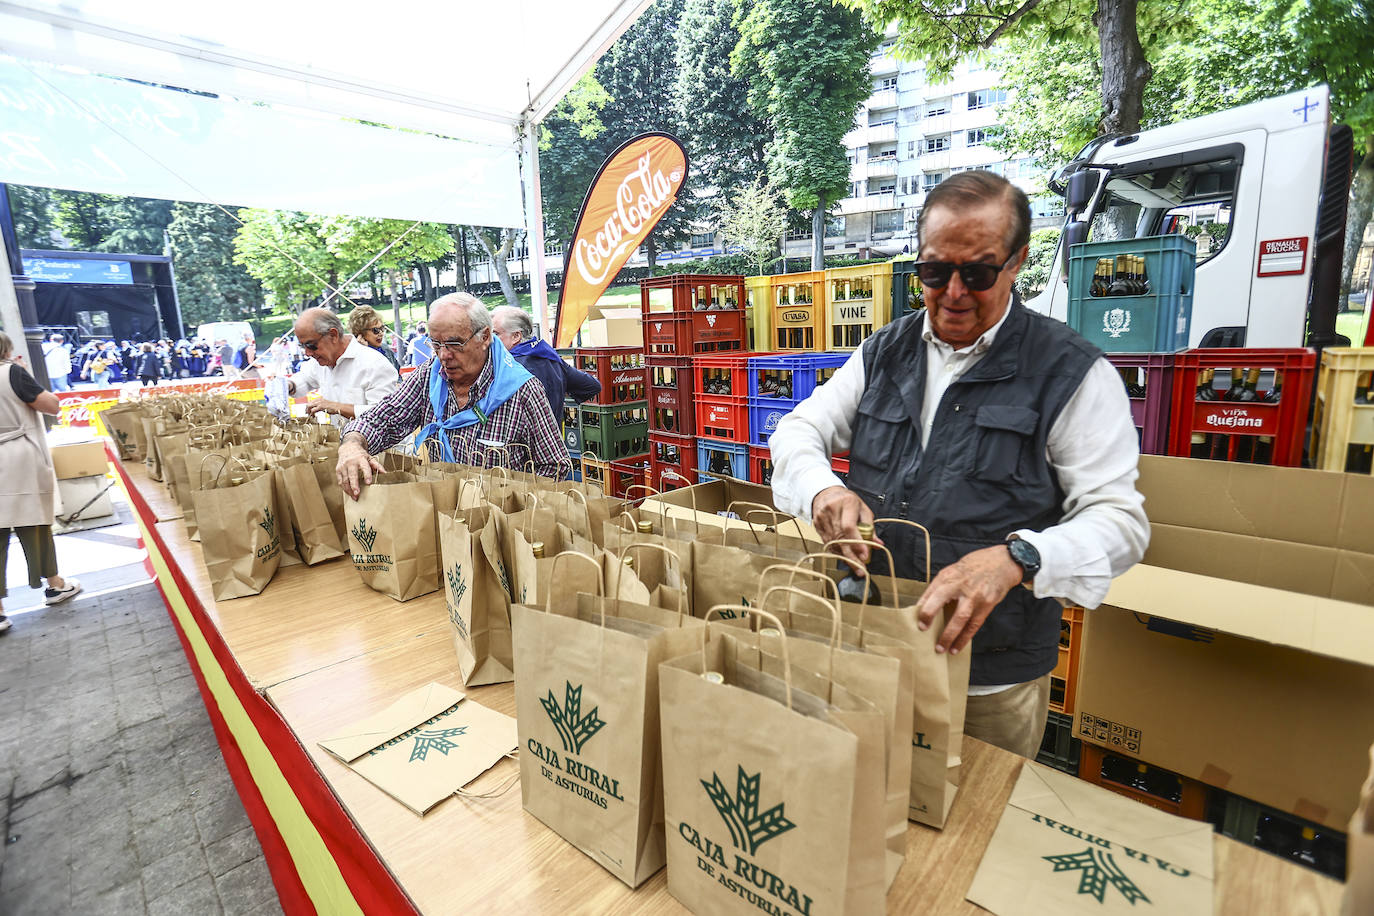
[391, 536]
[762, 783]
[478, 586]
[586, 695]
[125, 423]
[1066, 846]
[426, 746]
[238, 529]
[322, 463]
[1359, 855]
[316, 538]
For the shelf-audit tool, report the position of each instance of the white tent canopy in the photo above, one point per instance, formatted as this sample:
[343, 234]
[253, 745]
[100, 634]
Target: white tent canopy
[480, 73]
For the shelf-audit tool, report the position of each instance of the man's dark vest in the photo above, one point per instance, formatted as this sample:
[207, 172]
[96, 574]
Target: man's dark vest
[984, 473]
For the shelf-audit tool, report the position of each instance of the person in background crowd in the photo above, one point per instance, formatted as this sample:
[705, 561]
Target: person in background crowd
[26, 486]
[245, 354]
[128, 353]
[101, 365]
[352, 378]
[57, 359]
[471, 396]
[149, 367]
[418, 351]
[560, 380]
[224, 353]
[366, 325]
[1002, 431]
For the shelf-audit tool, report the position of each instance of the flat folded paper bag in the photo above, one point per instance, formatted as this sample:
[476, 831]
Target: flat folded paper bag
[426, 746]
[1066, 846]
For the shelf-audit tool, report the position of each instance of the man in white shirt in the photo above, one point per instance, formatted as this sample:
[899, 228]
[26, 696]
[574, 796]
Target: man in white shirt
[350, 377]
[58, 362]
[1005, 433]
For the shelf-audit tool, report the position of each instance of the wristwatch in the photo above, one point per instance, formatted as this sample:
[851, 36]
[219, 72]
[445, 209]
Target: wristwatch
[1026, 556]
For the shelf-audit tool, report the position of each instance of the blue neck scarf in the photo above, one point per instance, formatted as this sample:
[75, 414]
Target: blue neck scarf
[507, 377]
[536, 348]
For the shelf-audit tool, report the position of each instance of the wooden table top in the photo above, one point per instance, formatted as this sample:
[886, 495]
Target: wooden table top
[326, 650]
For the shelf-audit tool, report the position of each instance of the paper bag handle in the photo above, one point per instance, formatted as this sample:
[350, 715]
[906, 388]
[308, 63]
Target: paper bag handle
[833, 608]
[532, 508]
[691, 494]
[586, 510]
[795, 570]
[645, 545]
[649, 491]
[553, 568]
[758, 613]
[919, 527]
[634, 524]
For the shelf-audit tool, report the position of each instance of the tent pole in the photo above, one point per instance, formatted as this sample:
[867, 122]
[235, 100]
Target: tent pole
[534, 227]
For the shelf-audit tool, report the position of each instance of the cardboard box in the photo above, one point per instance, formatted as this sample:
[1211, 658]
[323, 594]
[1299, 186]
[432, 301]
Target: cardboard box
[1239, 653]
[614, 327]
[77, 491]
[79, 459]
[714, 500]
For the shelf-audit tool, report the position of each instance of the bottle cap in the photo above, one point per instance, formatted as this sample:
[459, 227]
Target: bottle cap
[865, 530]
[713, 677]
[628, 560]
[645, 526]
[770, 631]
[538, 547]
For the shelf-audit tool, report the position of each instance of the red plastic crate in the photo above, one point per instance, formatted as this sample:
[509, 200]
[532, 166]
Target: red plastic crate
[1252, 431]
[625, 473]
[620, 370]
[760, 465]
[723, 417]
[672, 386]
[1150, 412]
[721, 414]
[717, 371]
[669, 469]
[673, 324]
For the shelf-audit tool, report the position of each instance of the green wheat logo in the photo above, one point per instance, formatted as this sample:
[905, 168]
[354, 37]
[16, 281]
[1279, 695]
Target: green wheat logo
[365, 534]
[459, 588]
[1099, 869]
[435, 740]
[748, 829]
[269, 522]
[574, 729]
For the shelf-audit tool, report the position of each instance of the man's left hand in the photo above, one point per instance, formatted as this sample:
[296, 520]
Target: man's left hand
[321, 405]
[974, 585]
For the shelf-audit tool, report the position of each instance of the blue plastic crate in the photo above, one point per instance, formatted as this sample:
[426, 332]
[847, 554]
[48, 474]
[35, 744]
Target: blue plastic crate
[805, 371]
[1157, 322]
[576, 459]
[737, 453]
[764, 414]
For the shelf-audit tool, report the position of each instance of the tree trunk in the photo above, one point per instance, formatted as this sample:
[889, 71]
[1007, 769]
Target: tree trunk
[426, 284]
[651, 251]
[499, 253]
[376, 291]
[818, 235]
[460, 258]
[395, 303]
[1361, 209]
[1124, 68]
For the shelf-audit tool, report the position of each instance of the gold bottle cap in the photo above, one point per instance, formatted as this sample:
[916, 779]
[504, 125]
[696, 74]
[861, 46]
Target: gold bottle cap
[628, 560]
[235, 481]
[538, 547]
[713, 677]
[770, 631]
[645, 526]
[865, 530]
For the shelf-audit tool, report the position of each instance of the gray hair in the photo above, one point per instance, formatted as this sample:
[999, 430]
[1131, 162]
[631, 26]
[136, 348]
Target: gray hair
[514, 319]
[477, 314]
[322, 321]
[6, 346]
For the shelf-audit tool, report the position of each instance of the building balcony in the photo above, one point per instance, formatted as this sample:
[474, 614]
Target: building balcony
[934, 162]
[886, 200]
[932, 126]
[882, 168]
[882, 133]
[882, 99]
[883, 65]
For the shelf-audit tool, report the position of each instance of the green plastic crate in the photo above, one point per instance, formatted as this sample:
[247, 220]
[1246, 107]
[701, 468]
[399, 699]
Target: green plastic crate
[608, 441]
[1157, 322]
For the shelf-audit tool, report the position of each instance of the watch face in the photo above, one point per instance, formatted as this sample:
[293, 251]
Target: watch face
[1025, 554]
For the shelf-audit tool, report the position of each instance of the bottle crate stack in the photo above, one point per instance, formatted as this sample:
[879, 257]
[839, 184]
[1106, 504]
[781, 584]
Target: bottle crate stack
[572, 428]
[672, 422]
[1289, 836]
[1064, 677]
[620, 370]
[858, 301]
[1247, 405]
[1143, 782]
[616, 478]
[1343, 417]
[1134, 295]
[798, 311]
[687, 314]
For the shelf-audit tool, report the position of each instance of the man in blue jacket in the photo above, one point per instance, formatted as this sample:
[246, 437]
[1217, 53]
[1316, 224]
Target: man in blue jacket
[560, 380]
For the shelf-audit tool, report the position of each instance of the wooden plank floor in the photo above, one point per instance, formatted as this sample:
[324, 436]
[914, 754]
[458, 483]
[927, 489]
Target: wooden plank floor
[326, 651]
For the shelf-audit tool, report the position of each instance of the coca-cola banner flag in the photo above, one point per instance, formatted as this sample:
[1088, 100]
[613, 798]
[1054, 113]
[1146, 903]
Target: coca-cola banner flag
[634, 188]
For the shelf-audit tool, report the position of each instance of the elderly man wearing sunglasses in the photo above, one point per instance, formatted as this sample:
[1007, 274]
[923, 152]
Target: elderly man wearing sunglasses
[1003, 432]
[471, 402]
[350, 377]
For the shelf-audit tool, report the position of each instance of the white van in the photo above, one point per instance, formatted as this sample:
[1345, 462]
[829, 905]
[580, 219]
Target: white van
[230, 331]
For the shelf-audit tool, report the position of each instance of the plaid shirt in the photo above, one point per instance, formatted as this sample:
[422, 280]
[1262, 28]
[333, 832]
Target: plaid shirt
[524, 425]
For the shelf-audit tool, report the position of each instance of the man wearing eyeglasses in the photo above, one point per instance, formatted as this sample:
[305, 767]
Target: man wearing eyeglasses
[472, 402]
[1002, 431]
[351, 377]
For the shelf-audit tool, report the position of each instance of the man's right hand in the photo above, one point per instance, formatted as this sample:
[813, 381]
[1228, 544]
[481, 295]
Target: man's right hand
[836, 513]
[355, 467]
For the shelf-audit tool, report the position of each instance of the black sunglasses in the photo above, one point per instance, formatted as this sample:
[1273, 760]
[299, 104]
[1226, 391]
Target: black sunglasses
[977, 277]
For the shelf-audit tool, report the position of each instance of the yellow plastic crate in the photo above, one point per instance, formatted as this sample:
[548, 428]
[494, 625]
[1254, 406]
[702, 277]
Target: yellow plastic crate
[758, 311]
[798, 311]
[858, 301]
[1339, 420]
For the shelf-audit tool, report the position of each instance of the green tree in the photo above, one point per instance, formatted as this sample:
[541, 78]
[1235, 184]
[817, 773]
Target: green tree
[287, 252]
[360, 244]
[210, 285]
[33, 218]
[755, 220]
[497, 243]
[1035, 273]
[570, 152]
[807, 66]
[726, 139]
[137, 225]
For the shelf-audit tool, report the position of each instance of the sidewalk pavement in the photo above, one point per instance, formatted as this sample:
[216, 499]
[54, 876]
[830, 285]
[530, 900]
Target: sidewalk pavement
[115, 795]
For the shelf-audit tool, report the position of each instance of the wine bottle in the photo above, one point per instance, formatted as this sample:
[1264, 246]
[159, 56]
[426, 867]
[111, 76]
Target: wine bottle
[1237, 383]
[1273, 395]
[1247, 390]
[1120, 286]
[1142, 278]
[852, 587]
[1199, 447]
[1102, 277]
[1205, 391]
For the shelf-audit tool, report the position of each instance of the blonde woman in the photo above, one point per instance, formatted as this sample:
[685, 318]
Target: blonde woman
[26, 483]
[365, 324]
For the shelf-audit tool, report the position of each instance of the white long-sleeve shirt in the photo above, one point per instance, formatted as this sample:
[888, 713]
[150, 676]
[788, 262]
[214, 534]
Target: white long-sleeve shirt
[361, 377]
[1092, 447]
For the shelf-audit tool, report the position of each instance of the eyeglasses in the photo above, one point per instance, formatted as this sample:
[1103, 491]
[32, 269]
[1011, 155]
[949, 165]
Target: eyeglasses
[312, 346]
[377, 330]
[455, 345]
[977, 277]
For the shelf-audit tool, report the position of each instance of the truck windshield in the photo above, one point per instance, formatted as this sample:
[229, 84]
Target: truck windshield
[1193, 200]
